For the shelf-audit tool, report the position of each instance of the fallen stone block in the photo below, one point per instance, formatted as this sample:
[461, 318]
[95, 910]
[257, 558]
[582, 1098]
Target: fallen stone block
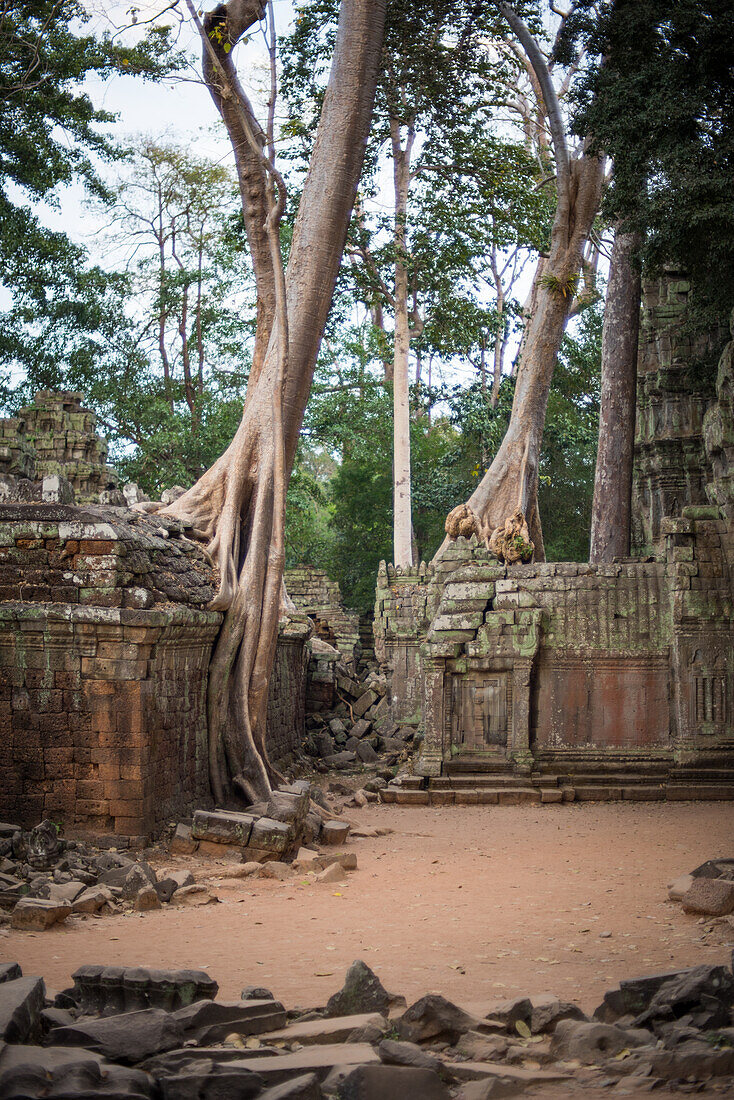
[37, 914]
[333, 873]
[548, 1011]
[205, 1079]
[21, 1003]
[196, 894]
[334, 832]
[477, 1047]
[330, 1030]
[365, 701]
[393, 1052]
[183, 843]
[386, 1082]
[270, 835]
[714, 897]
[33, 1073]
[366, 753]
[276, 870]
[92, 900]
[130, 1037]
[490, 1088]
[705, 992]
[435, 1018]
[146, 900]
[115, 989]
[10, 971]
[209, 1022]
[592, 1042]
[222, 827]
[340, 760]
[304, 1087]
[362, 992]
[508, 1013]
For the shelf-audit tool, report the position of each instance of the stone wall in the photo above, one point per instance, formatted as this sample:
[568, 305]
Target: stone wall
[317, 596]
[54, 437]
[105, 643]
[569, 668]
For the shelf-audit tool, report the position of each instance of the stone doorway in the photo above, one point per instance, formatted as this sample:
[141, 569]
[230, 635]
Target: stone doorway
[480, 709]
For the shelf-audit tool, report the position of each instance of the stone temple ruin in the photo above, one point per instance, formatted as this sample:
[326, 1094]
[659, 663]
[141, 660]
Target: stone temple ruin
[554, 681]
[541, 682]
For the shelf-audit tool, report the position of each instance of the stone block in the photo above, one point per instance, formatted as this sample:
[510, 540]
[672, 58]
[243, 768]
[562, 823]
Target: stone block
[222, 827]
[334, 832]
[711, 896]
[270, 835]
[21, 1004]
[36, 915]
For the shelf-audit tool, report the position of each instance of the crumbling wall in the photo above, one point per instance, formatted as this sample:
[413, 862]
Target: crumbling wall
[317, 596]
[105, 643]
[55, 437]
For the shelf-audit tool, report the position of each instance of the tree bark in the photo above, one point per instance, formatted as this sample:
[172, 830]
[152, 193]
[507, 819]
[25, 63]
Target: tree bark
[239, 504]
[402, 513]
[231, 102]
[509, 489]
[611, 508]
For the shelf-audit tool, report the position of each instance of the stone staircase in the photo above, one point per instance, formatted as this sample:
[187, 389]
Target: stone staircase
[648, 782]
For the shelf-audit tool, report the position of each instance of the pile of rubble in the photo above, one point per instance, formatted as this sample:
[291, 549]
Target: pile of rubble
[44, 878]
[357, 729]
[131, 1032]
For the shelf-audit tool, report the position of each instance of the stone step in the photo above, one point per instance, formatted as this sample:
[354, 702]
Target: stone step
[703, 792]
[471, 782]
[484, 793]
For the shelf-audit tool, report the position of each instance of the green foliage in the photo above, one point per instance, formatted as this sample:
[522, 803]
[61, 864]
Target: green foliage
[658, 96]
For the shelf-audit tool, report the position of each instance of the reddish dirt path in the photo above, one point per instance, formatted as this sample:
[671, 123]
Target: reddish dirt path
[478, 903]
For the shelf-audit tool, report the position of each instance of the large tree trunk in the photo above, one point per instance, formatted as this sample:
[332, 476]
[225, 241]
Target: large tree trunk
[510, 485]
[503, 509]
[239, 504]
[611, 508]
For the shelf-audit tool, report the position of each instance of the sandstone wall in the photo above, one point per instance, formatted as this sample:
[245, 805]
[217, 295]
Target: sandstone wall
[105, 643]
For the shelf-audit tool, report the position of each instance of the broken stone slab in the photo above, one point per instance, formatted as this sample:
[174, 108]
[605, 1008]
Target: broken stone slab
[521, 1076]
[33, 1073]
[509, 1012]
[548, 1011]
[62, 891]
[38, 914]
[222, 827]
[205, 1079]
[304, 1087]
[366, 753]
[10, 971]
[592, 1042]
[434, 1018]
[361, 728]
[705, 991]
[130, 1037]
[196, 894]
[715, 868]
[209, 1022]
[713, 897]
[362, 992]
[491, 1088]
[183, 843]
[128, 876]
[288, 806]
[340, 760]
[388, 1082]
[21, 1003]
[276, 870]
[318, 1059]
[146, 900]
[476, 1047]
[333, 873]
[692, 1060]
[633, 995]
[334, 832]
[92, 900]
[271, 836]
[330, 1030]
[393, 1052]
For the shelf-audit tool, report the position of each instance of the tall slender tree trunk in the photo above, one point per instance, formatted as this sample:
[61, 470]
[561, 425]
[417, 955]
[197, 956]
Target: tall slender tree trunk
[238, 505]
[611, 508]
[402, 511]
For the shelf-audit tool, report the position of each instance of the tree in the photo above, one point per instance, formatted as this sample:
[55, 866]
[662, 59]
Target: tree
[611, 517]
[460, 196]
[50, 135]
[503, 509]
[239, 504]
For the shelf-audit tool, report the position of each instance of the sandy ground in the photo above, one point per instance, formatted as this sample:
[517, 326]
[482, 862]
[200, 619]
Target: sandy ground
[478, 903]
